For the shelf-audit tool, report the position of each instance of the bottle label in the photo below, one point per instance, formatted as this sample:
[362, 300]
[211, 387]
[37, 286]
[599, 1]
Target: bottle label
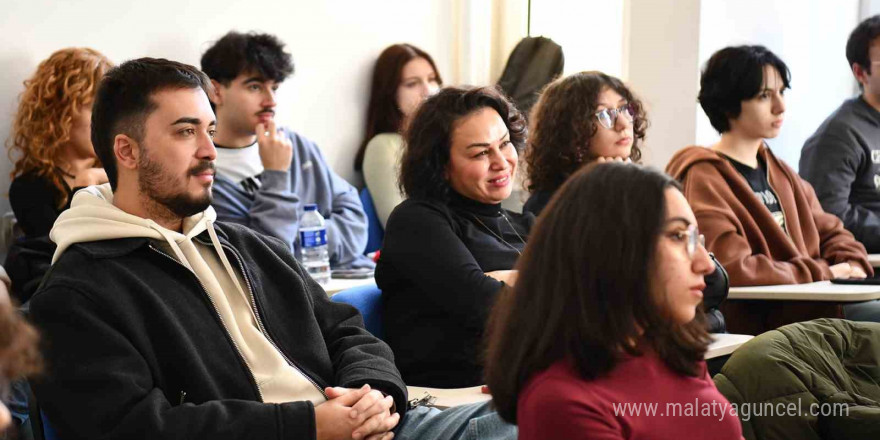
[313, 238]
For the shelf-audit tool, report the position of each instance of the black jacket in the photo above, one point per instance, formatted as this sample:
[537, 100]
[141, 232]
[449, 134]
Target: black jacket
[135, 349]
[435, 292]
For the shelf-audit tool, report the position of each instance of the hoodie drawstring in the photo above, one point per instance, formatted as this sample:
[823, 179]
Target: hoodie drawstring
[217, 247]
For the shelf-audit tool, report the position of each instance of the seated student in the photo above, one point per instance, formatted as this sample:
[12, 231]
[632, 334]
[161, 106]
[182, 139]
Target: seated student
[450, 247]
[54, 155]
[606, 313]
[267, 174]
[586, 118]
[403, 77]
[842, 159]
[580, 119]
[161, 323]
[761, 220]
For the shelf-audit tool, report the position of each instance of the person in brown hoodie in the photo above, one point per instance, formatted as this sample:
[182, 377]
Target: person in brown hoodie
[762, 221]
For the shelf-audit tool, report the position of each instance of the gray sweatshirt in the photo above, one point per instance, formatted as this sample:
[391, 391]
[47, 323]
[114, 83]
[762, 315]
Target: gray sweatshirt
[842, 162]
[272, 202]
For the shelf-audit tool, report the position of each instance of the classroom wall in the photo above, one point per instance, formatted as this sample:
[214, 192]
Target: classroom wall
[809, 35]
[334, 45]
[661, 67]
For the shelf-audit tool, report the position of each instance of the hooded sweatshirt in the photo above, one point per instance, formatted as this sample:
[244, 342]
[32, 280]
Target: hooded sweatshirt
[93, 217]
[742, 232]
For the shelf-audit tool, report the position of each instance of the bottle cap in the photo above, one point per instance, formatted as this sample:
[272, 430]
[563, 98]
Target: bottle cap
[311, 207]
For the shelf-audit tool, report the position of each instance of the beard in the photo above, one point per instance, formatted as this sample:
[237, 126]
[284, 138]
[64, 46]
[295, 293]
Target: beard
[167, 190]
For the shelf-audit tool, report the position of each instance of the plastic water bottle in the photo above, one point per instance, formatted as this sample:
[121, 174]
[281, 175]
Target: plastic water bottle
[313, 241]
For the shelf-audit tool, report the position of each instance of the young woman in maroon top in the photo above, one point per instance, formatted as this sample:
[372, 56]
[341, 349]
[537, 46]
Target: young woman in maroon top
[602, 336]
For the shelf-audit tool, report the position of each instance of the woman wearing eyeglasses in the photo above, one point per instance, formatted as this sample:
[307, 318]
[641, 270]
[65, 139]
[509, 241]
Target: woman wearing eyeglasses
[583, 118]
[591, 117]
[762, 221]
[450, 247]
[604, 319]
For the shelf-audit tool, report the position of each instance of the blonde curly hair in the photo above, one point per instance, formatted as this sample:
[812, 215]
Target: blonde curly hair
[62, 84]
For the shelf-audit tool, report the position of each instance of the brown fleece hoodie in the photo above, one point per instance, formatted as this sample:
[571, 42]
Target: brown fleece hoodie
[742, 233]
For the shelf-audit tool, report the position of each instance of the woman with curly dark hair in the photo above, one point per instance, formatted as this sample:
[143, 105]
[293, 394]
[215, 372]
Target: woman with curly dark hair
[450, 247]
[579, 119]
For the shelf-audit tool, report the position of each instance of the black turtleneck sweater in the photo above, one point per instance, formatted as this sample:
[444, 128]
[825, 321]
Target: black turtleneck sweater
[436, 296]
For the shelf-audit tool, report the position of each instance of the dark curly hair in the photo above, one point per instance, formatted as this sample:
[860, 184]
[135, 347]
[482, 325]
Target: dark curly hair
[562, 125]
[236, 53]
[429, 137]
[733, 75]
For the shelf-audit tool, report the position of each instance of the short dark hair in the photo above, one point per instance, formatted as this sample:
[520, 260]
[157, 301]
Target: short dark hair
[383, 115]
[562, 124]
[732, 75]
[124, 101]
[859, 43]
[584, 286]
[236, 53]
[429, 137]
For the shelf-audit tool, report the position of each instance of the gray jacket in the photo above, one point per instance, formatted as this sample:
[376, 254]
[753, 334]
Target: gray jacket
[842, 162]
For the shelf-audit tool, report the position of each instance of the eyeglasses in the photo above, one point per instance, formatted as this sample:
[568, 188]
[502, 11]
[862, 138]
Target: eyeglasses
[692, 238]
[608, 116]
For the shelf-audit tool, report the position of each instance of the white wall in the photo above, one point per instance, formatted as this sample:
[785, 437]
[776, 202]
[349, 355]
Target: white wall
[589, 31]
[809, 35]
[334, 45]
[661, 64]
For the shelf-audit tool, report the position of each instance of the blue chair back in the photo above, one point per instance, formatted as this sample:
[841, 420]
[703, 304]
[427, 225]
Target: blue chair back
[375, 233]
[368, 301]
[48, 432]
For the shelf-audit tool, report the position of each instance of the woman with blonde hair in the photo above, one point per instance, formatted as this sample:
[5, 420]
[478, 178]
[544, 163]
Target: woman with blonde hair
[52, 151]
[51, 141]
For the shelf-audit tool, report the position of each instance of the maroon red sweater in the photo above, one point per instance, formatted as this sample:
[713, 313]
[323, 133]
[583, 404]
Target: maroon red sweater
[558, 403]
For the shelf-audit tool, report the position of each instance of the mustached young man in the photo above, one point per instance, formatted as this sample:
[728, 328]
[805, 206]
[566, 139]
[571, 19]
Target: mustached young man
[266, 174]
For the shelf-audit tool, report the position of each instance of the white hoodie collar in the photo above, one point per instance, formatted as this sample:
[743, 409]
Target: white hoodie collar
[93, 217]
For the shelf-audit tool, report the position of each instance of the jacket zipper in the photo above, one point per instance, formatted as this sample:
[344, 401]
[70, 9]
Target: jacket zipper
[260, 325]
[211, 300]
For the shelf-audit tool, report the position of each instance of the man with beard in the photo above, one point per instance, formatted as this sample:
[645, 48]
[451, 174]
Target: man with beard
[267, 174]
[160, 323]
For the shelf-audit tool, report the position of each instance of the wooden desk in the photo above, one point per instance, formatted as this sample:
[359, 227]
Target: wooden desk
[337, 285]
[874, 260]
[725, 343]
[818, 291]
[446, 398]
[755, 310]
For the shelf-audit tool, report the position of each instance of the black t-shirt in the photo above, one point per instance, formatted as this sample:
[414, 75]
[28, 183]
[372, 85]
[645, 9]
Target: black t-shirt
[757, 179]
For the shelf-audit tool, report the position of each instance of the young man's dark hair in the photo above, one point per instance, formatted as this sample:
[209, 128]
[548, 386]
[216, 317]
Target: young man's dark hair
[860, 41]
[123, 101]
[236, 53]
[733, 75]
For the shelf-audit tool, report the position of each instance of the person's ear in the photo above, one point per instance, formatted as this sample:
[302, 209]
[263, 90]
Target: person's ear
[127, 151]
[216, 95]
[860, 73]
